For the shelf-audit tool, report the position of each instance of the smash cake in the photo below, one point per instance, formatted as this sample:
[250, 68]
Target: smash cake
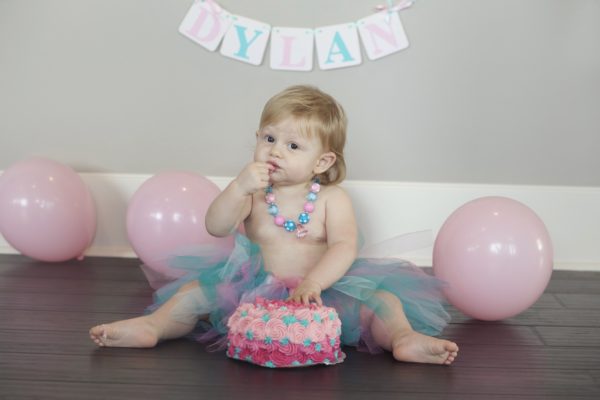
[279, 334]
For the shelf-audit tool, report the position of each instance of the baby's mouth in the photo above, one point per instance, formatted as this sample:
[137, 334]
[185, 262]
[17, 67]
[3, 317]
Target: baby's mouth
[274, 165]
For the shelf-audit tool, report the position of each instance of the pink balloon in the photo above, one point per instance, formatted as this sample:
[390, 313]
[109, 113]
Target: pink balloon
[165, 218]
[496, 255]
[46, 211]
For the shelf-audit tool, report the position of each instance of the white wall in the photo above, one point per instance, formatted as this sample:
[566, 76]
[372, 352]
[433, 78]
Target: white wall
[489, 91]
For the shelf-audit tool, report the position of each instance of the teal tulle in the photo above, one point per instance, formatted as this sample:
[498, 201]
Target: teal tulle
[241, 278]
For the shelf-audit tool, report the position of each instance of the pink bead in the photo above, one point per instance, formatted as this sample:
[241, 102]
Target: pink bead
[315, 187]
[270, 198]
[309, 207]
[279, 220]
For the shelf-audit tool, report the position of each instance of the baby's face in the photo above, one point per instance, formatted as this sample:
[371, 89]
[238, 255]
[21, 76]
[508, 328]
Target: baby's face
[293, 155]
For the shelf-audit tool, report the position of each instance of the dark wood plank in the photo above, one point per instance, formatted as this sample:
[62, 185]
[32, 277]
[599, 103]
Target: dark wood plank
[73, 302]
[472, 355]
[570, 275]
[544, 317]
[89, 287]
[58, 320]
[551, 351]
[498, 334]
[113, 269]
[547, 300]
[570, 336]
[78, 343]
[596, 376]
[591, 301]
[20, 260]
[214, 372]
[530, 357]
[90, 391]
[579, 286]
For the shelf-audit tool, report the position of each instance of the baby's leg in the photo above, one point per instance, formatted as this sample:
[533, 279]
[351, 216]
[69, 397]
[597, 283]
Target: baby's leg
[147, 330]
[393, 333]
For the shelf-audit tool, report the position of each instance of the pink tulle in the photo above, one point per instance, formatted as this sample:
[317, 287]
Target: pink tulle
[241, 278]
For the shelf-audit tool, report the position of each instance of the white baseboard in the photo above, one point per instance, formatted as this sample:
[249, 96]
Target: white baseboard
[386, 209]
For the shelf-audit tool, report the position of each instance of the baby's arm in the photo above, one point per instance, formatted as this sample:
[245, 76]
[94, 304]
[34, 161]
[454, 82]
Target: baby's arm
[233, 205]
[340, 225]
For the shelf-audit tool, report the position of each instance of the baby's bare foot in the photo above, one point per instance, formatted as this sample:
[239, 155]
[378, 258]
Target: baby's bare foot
[416, 347]
[135, 332]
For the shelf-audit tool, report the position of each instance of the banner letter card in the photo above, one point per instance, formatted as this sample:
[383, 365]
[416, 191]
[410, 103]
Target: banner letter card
[382, 34]
[292, 49]
[206, 23]
[338, 46]
[246, 40]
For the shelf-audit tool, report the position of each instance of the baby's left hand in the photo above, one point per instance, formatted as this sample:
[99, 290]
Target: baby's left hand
[306, 292]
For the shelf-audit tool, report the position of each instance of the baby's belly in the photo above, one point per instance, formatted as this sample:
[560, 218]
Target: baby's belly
[294, 262]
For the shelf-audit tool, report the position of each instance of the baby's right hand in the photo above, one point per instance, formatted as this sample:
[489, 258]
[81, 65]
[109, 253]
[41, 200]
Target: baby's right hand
[254, 177]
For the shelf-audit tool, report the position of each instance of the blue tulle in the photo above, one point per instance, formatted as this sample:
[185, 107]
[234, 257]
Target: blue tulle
[241, 278]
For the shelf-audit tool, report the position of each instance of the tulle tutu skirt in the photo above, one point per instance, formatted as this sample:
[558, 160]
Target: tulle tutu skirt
[240, 277]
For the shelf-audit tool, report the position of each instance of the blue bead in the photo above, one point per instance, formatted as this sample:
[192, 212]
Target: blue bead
[289, 225]
[273, 210]
[269, 189]
[311, 196]
[303, 218]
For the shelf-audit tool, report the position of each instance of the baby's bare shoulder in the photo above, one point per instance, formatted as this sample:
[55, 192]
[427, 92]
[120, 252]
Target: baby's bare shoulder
[334, 192]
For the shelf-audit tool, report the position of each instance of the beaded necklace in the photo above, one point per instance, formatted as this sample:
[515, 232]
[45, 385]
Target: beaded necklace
[304, 217]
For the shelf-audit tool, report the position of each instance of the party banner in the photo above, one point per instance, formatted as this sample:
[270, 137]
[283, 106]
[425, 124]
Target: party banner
[291, 48]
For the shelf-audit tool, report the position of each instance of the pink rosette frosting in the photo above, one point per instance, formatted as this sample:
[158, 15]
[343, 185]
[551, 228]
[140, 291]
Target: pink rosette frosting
[326, 347]
[329, 327]
[316, 332]
[269, 348]
[260, 357]
[275, 333]
[296, 333]
[304, 313]
[303, 358]
[246, 307]
[289, 349]
[236, 340]
[319, 357]
[279, 359]
[275, 328]
[258, 329]
[285, 355]
[310, 349]
[234, 320]
[252, 346]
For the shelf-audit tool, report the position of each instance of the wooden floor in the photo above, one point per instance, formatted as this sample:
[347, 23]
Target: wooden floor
[551, 351]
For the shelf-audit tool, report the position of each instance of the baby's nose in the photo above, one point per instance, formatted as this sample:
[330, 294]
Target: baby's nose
[275, 151]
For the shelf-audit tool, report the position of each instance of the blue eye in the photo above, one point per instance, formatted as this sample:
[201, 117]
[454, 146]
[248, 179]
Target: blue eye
[269, 138]
[293, 146]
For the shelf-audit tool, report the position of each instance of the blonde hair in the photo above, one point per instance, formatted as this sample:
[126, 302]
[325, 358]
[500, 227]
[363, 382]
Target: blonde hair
[317, 113]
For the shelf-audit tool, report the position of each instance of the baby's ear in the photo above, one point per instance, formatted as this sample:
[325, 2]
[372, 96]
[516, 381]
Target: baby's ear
[325, 162]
